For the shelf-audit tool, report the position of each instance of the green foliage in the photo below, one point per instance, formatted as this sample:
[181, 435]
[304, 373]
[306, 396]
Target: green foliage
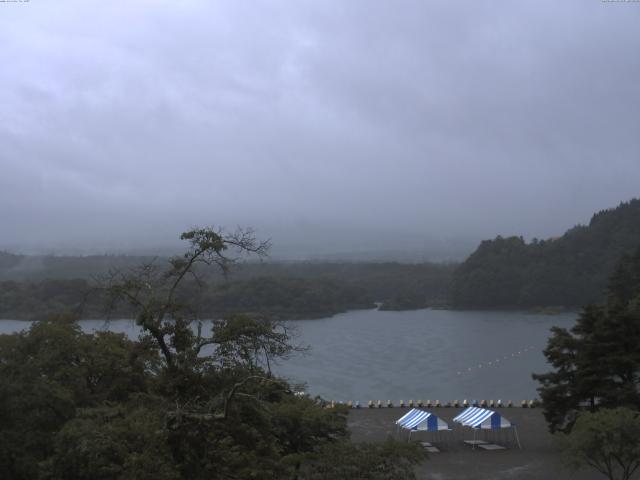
[597, 362]
[246, 342]
[102, 443]
[31, 300]
[568, 271]
[301, 426]
[285, 291]
[391, 460]
[50, 372]
[35, 286]
[180, 403]
[608, 441]
[76, 405]
[285, 297]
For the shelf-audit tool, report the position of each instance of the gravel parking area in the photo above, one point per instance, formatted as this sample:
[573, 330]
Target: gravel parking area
[537, 460]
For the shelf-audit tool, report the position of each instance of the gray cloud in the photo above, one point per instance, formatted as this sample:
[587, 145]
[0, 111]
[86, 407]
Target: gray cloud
[327, 125]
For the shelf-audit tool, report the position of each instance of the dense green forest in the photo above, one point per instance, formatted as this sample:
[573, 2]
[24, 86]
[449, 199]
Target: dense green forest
[78, 406]
[283, 298]
[568, 271]
[596, 362]
[31, 287]
[178, 403]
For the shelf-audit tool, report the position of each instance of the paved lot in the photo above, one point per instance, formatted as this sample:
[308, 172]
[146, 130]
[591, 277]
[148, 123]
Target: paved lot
[536, 461]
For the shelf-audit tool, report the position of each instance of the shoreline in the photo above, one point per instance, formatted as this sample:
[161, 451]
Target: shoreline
[550, 311]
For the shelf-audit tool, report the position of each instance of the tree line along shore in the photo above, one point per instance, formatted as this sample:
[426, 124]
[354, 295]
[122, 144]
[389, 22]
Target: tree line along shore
[546, 276]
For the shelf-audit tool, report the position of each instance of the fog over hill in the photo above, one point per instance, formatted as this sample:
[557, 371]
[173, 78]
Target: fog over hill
[405, 250]
[334, 128]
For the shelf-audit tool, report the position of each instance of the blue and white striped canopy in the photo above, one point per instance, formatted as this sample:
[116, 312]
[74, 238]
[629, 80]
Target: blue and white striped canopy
[476, 417]
[420, 420]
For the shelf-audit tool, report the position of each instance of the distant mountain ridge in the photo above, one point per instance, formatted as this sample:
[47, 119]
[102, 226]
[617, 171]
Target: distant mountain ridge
[568, 271]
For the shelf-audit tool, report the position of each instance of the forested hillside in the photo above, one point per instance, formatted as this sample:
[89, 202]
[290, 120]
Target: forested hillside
[31, 286]
[181, 401]
[568, 271]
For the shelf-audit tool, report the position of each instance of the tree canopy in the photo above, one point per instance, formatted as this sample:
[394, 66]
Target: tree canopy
[187, 400]
[597, 362]
[607, 441]
[568, 271]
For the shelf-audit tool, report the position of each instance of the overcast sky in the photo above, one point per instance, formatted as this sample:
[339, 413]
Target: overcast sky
[330, 126]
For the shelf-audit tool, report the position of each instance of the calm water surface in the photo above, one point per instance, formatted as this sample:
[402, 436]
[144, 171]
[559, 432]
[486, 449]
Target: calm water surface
[422, 354]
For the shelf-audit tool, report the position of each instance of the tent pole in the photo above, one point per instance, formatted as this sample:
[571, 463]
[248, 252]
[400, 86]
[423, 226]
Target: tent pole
[515, 430]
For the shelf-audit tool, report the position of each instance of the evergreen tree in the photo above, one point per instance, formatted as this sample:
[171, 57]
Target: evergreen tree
[569, 271]
[607, 441]
[597, 362]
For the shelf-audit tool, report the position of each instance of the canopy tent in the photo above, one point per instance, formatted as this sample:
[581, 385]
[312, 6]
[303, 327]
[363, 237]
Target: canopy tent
[484, 419]
[420, 420]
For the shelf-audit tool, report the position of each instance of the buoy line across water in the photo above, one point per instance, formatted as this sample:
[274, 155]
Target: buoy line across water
[498, 361]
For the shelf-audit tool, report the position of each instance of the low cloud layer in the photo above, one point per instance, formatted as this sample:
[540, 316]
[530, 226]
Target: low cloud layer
[329, 126]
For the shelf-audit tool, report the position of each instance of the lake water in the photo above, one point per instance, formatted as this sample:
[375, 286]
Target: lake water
[423, 354]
